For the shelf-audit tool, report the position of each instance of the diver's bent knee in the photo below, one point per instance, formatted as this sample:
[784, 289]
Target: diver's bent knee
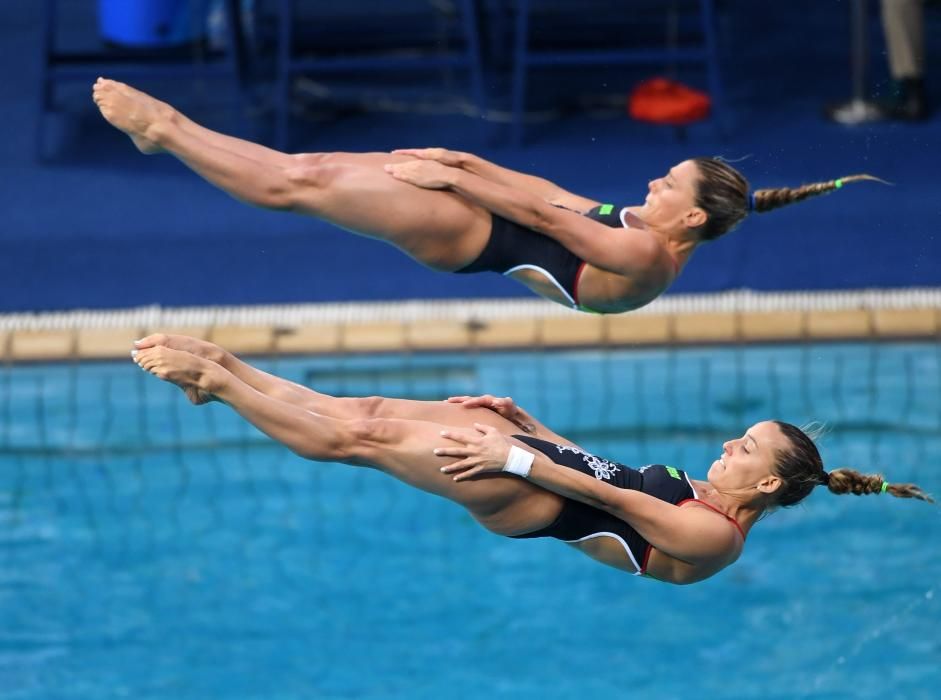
[351, 441]
[332, 449]
[307, 185]
[310, 159]
[371, 406]
[362, 438]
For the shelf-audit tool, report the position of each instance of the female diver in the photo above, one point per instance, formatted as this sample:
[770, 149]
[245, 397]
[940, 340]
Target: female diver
[519, 479]
[459, 213]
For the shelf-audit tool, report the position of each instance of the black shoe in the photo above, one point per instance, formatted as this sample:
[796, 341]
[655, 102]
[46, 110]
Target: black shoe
[908, 101]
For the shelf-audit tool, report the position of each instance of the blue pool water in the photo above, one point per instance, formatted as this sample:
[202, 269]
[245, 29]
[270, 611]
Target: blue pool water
[151, 549]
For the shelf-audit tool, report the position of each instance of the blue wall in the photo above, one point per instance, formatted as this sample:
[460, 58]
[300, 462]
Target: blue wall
[98, 225]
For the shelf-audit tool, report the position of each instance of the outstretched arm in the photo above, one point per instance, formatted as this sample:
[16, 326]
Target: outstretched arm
[692, 535]
[619, 250]
[542, 188]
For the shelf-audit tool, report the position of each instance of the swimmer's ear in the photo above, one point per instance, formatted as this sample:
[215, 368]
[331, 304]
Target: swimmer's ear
[695, 217]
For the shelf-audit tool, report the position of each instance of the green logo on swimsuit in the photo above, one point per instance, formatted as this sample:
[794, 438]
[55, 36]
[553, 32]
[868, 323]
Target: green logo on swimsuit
[674, 472]
[606, 209]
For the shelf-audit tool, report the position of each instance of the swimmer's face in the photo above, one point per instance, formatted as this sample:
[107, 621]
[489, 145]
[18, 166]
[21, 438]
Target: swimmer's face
[671, 199]
[747, 463]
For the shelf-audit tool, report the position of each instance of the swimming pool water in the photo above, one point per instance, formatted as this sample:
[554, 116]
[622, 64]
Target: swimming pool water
[151, 549]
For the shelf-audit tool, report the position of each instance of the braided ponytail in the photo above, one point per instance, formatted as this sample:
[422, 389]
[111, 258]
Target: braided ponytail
[774, 198]
[801, 469]
[722, 192]
[843, 480]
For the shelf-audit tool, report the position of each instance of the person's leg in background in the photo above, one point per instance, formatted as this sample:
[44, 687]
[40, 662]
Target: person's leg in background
[903, 22]
[903, 25]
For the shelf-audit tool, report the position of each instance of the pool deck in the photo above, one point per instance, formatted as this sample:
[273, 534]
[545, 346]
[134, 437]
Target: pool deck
[509, 326]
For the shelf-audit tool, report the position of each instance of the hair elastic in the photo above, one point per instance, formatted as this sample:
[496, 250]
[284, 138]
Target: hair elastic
[885, 485]
[838, 183]
[751, 201]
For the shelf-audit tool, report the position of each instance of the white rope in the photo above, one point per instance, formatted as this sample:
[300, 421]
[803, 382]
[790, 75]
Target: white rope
[463, 310]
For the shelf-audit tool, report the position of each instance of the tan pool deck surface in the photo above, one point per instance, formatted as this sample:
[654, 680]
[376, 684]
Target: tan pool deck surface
[577, 330]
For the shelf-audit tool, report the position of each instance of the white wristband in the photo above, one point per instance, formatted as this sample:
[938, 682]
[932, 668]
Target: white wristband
[519, 462]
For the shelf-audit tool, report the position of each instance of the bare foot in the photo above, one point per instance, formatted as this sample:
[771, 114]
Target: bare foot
[196, 346]
[131, 111]
[194, 375]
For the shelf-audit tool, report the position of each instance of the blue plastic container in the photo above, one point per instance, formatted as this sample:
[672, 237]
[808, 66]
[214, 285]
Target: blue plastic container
[150, 23]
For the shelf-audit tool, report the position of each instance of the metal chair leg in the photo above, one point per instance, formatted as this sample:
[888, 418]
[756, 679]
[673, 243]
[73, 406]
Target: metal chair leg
[520, 61]
[45, 93]
[475, 64]
[713, 74]
[282, 100]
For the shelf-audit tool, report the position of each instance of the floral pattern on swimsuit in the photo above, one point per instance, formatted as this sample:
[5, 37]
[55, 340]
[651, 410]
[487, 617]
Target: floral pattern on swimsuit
[602, 468]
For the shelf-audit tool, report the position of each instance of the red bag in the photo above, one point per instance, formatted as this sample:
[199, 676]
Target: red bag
[665, 101]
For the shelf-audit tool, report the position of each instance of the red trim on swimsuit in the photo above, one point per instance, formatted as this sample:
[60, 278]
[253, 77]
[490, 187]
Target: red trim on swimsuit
[727, 517]
[578, 276]
[643, 564]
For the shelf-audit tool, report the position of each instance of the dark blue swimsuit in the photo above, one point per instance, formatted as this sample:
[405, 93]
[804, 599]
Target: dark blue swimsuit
[578, 521]
[512, 247]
